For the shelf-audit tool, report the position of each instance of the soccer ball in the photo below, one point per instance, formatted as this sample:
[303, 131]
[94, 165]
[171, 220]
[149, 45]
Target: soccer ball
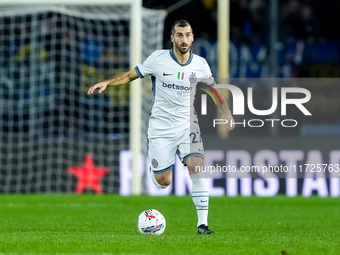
[151, 222]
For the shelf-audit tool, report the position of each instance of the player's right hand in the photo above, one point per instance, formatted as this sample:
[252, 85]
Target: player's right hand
[101, 86]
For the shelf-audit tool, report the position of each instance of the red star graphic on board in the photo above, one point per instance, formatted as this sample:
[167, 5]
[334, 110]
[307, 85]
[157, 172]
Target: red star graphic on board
[88, 175]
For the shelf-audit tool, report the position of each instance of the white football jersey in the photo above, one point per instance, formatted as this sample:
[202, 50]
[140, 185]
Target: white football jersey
[174, 88]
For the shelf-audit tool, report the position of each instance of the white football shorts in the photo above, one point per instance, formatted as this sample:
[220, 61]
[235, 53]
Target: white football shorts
[162, 148]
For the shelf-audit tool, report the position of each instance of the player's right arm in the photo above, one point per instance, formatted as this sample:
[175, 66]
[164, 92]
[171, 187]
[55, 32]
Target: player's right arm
[119, 79]
[140, 71]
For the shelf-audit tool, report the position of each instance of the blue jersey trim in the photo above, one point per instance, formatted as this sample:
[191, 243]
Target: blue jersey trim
[200, 155]
[205, 84]
[164, 170]
[176, 60]
[138, 72]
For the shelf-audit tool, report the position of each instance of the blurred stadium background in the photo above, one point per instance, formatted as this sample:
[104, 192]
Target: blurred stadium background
[55, 138]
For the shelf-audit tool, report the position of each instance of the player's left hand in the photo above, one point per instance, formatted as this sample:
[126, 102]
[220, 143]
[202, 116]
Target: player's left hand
[231, 122]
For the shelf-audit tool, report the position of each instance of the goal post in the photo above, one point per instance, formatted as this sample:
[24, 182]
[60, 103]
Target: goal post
[136, 54]
[136, 96]
[223, 8]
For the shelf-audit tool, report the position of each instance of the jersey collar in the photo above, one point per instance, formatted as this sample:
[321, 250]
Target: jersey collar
[176, 60]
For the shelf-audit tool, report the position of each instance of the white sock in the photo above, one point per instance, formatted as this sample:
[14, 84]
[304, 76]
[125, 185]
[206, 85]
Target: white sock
[200, 197]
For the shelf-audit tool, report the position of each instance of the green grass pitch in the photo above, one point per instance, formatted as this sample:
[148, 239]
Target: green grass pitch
[90, 224]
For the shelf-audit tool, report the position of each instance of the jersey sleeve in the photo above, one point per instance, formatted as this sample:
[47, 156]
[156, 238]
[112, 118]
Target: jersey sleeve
[147, 67]
[207, 77]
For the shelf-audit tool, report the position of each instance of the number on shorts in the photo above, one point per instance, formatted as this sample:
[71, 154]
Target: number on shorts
[194, 138]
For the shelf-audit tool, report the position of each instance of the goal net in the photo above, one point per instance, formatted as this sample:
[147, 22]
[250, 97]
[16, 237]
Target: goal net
[54, 137]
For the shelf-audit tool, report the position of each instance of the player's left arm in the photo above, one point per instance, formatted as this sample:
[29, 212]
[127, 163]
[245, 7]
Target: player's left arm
[225, 108]
[226, 111]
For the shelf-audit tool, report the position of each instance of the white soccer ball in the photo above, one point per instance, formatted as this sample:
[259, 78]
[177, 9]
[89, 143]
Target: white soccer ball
[151, 222]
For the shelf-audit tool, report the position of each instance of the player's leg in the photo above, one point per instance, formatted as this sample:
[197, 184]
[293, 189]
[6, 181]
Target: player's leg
[162, 151]
[191, 153]
[200, 193]
[161, 180]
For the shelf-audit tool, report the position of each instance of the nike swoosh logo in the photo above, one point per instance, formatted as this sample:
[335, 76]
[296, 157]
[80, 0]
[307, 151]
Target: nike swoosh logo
[204, 201]
[167, 74]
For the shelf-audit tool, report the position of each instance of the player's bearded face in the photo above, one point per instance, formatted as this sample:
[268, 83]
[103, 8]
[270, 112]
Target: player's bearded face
[183, 39]
[183, 47]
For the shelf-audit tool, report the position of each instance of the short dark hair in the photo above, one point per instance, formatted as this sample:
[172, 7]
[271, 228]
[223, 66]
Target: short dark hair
[180, 23]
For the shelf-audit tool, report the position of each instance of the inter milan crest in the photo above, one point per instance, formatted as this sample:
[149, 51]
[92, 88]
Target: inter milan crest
[154, 163]
[192, 78]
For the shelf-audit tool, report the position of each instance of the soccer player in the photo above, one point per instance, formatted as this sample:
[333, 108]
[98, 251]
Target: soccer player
[173, 126]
